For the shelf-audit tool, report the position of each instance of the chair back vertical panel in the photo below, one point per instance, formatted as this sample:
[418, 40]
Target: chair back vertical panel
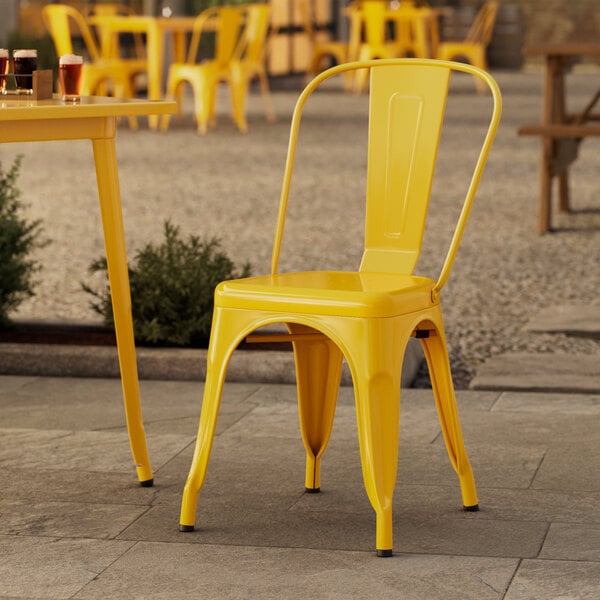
[406, 114]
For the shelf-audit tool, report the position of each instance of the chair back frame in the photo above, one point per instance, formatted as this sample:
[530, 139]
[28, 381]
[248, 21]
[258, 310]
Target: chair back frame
[408, 98]
[228, 21]
[252, 42]
[58, 19]
[482, 27]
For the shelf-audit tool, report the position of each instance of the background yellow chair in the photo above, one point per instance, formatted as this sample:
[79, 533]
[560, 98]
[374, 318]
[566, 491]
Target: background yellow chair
[473, 48]
[63, 23]
[226, 23]
[113, 48]
[375, 43]
[323, 50]
[248, 63]
[366, 316]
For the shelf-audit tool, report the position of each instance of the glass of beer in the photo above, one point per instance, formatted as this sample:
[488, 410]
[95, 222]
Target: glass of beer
[4, 62]
[24, 64]
[69, 77]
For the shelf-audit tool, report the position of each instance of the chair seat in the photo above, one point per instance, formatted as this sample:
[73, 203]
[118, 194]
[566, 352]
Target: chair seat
[340, 293]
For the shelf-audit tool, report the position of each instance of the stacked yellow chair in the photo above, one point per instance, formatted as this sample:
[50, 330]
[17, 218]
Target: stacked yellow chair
[226, 23]
[239, 57]
[365, 316]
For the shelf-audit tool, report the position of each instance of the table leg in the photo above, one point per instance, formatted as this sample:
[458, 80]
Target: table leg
[118, 275]
[545, 189]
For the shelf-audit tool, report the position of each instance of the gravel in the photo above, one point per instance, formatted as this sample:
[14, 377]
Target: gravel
[226, 184]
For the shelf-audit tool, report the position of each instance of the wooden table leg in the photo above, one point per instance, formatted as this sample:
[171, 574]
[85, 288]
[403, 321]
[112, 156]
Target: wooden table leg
[116, 257]
[544, 211]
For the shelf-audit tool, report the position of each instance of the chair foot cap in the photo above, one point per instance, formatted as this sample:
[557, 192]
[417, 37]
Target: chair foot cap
[186, 528]
[312, 490]
[473, 508]
[147, 483]
[384, 553]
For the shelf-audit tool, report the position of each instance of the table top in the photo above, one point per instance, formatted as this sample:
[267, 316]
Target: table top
[16, 108]
[563, 49]
[133, 23]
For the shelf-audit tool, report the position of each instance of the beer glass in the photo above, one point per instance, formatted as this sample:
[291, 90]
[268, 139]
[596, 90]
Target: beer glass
[69, 77]
[24, 64]
[4, 61]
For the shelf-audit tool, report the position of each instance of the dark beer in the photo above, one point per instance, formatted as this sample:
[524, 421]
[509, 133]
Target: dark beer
[69, 77]
[24, 64]
[3, 69]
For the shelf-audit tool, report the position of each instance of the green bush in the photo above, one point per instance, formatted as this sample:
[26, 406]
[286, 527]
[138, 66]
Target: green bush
[172, 289]
[17, 239]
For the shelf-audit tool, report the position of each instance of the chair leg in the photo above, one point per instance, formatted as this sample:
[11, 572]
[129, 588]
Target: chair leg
[219, 352]
[202, 103]
[238, 88]
[266, 95]
[436, 354]
[376, 364]
[318, 372]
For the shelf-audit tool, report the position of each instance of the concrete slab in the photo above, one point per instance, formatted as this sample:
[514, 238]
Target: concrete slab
[537, 579]
[539, 372]
[572, 319]
[48, 567]
[572, 541]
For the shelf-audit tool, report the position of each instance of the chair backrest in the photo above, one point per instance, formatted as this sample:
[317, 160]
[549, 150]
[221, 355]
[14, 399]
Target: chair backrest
[59, 20]
[252, 43]
[226, 22]
[406, 110]
[482, 27]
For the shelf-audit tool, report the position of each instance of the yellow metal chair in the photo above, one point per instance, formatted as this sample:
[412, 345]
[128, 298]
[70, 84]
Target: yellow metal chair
[474, 46]
[366, 316]
[248, 62]
[226, 23]
[62, 22]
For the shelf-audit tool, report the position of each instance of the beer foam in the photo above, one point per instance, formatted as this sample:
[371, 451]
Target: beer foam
[4, 52]
[70, 59]
[25, 53]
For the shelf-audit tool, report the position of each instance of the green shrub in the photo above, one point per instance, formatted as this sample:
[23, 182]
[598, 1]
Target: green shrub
[172, 289]
[17, 239]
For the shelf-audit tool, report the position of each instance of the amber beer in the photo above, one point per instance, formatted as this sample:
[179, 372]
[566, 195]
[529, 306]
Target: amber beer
[3, 69]
[69, 77]
[24, 64]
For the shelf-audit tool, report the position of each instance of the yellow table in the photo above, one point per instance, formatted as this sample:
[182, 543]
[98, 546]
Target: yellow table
[96, 119]
[155, 29]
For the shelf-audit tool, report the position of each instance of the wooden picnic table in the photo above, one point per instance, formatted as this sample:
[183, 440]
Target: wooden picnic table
[561, 132]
